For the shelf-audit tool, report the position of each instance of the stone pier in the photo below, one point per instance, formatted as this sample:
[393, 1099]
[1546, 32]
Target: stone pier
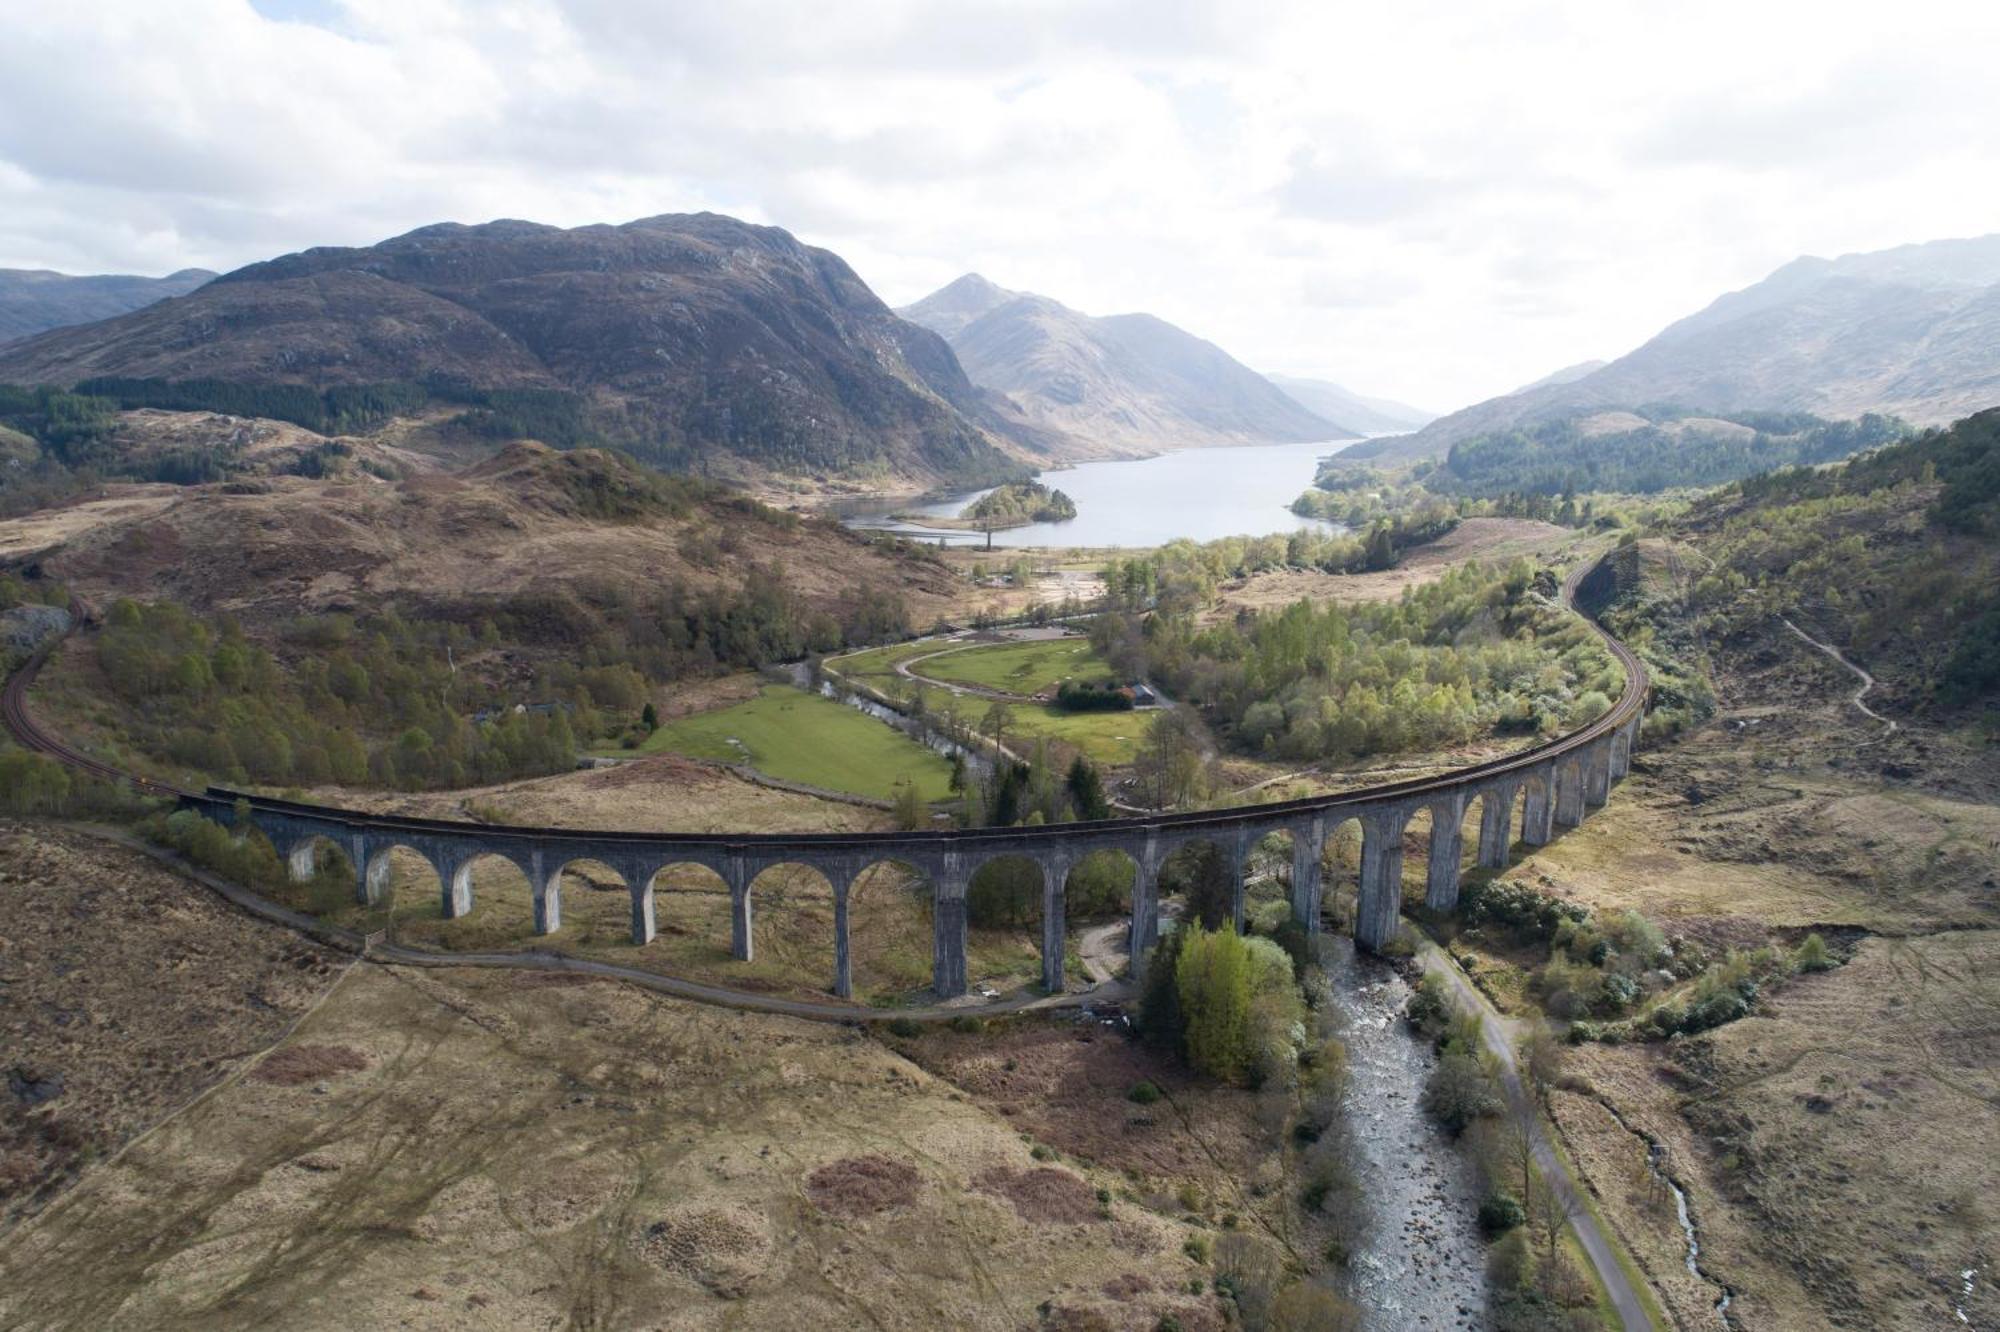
[1447, 837]
[1496, 824]
[948, 976]
[1055, 919]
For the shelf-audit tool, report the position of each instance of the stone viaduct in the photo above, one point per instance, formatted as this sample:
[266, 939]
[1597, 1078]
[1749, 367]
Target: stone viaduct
[1551, 786]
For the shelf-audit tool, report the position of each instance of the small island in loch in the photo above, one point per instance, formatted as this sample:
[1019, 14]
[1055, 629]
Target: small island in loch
[1019, 503]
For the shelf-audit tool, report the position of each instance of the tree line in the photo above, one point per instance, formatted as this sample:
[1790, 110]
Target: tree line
[1182, 576]
[1479, 651]
[437, 696]
[1566, 458]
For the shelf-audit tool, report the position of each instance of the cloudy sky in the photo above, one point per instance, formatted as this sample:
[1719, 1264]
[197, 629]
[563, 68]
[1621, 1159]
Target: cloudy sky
[1432, 202]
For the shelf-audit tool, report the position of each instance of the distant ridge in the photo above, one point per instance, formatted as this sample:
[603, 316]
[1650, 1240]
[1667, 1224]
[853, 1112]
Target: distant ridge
[1911, 332]
[1373, 416]
[1569, 374]
[1125, 384]
[34, 300]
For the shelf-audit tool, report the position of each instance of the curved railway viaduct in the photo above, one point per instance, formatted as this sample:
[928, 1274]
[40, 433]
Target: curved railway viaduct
[1551, 786]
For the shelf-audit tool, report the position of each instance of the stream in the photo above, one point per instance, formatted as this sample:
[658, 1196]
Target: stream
[1654, 1157]
[1421, 1263]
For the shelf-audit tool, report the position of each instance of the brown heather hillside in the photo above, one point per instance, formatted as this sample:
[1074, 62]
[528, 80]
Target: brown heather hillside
[438, 1148]
[528, 520]
[1834, 1142]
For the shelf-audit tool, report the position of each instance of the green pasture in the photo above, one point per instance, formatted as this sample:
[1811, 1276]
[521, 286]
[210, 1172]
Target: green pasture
[1018, 668]
[801, 737]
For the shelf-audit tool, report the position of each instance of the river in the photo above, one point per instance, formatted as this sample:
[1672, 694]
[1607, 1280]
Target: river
[1200, 494]
[1421, 1263]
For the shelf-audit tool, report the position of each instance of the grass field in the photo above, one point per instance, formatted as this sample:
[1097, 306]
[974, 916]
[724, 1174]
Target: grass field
[878, 664]
[1018, 668]
[1110, 739]
[800, 737]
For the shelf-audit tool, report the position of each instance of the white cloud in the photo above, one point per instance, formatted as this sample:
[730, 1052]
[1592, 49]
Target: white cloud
[1429, 200]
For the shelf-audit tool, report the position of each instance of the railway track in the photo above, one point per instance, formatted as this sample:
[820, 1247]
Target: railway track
[28, 733]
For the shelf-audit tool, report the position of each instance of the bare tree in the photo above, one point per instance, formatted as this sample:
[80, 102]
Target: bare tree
[1543, 1058]
[999, 721]
[1170, 765]
[1550, 1209]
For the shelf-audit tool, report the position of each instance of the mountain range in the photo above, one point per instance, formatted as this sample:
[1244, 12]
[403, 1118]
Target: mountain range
[1130, 383]
[1912, 332]
[1370, 416]
[34, 300]
[694, 341]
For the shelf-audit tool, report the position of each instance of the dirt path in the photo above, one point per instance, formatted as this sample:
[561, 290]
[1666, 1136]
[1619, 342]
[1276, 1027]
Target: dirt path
[902, 668]
[1867, 680]
[1102, 951]
[1498, 1035]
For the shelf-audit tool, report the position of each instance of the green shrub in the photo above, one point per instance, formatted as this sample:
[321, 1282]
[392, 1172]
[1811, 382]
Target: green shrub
[249, 860]
[905, 1027]
[1812, 955]
[1510, 1263]
[967, 1023]
[1499, 1212]
[1723, 1006]
[1531, 916]
[1429, 1009]
[1618, 994]
[1458, 1090]
[1213, 980]
[1143, 1093]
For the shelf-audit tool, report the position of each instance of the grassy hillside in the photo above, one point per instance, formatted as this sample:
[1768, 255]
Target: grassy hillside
[1647, 451]
[1894, 558]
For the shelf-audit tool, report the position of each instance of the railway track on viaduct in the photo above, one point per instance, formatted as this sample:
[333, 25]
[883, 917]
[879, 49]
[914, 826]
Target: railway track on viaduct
[1553, 784]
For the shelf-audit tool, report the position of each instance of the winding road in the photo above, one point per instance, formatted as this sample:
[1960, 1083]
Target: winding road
[1867, 680]
[1497, 1035]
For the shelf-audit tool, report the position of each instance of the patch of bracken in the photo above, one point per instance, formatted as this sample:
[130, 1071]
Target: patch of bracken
[1127, 1287]
[296, 1065]
[862, 1186]
[726, 1249]
[1043, 1194]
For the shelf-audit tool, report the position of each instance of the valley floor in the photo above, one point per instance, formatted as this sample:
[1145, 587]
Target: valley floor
[385, 1146]
[1834, 1145]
